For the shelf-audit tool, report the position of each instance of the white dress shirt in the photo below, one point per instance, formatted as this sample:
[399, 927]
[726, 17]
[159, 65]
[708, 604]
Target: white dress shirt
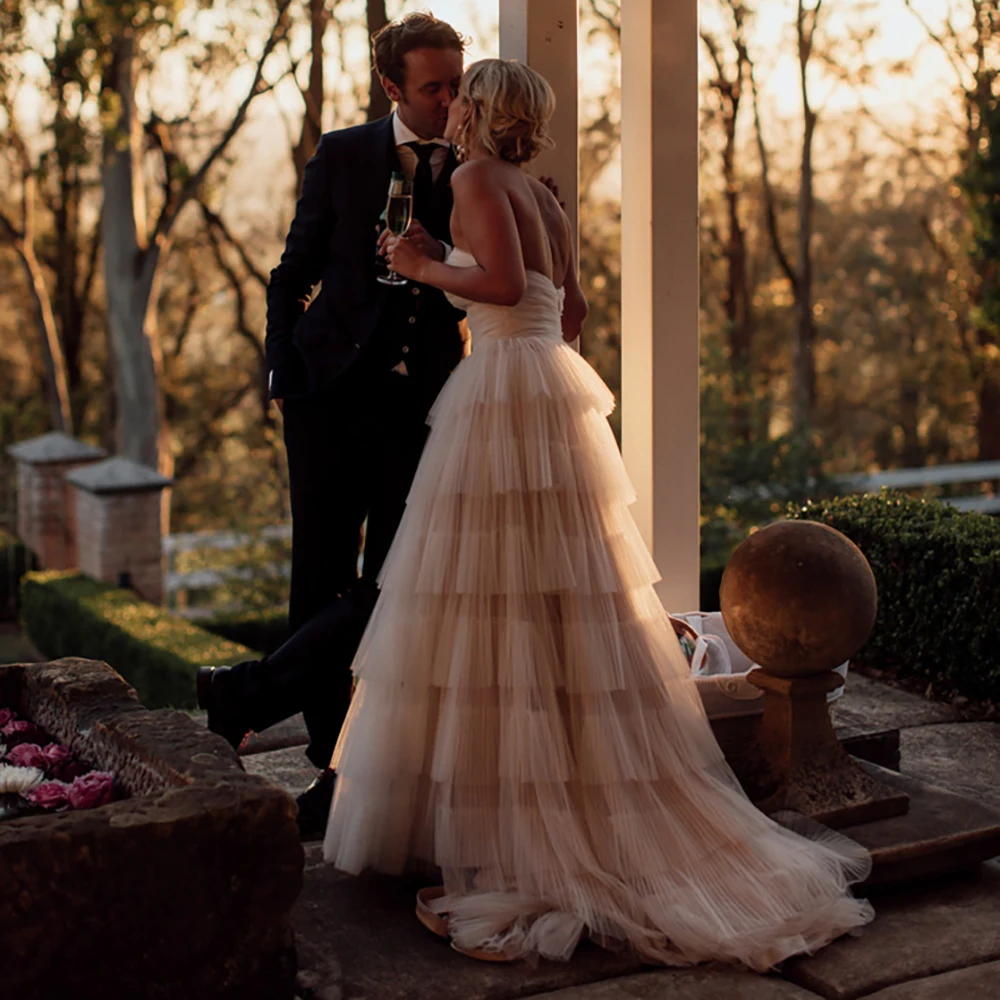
[408, 158]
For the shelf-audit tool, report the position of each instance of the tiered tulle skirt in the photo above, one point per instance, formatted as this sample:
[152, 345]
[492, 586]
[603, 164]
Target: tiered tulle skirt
[524, 719]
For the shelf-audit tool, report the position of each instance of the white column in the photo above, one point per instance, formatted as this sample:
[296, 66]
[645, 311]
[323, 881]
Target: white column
[543, 34]
[660, 284]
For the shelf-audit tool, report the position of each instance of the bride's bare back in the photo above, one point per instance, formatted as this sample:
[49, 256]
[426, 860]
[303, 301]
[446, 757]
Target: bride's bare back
[511, 222]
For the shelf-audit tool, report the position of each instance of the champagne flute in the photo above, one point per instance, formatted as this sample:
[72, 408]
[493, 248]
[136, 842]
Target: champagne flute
[398, 215]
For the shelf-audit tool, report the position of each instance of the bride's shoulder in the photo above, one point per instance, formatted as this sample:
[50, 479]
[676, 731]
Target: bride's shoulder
[486, 174]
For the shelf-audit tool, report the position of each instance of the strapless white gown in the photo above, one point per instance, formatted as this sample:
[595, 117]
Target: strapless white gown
[524, 718]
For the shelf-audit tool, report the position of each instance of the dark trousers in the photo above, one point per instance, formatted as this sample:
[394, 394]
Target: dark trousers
[352, 452]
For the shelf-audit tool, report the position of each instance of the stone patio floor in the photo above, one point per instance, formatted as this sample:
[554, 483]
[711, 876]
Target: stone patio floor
[357, 937]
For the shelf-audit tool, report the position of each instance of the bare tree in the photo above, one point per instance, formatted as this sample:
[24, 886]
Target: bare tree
[313, 93]
[23, 238]
[132, 251]
[379, 104]
[728, 85]
[799, 273]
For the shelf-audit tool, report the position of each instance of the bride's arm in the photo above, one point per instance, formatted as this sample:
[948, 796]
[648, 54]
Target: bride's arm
[575, 306]
[490, 230]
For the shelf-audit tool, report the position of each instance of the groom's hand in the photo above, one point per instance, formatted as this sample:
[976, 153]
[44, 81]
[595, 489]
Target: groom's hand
[420, 238]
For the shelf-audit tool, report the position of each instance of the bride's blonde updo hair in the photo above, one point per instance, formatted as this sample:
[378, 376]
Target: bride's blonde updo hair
[510, 106]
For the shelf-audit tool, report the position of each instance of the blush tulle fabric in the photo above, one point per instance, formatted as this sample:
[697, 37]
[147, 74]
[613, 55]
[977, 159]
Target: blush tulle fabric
[524, 719]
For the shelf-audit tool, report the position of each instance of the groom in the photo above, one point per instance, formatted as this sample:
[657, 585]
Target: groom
[354, 374]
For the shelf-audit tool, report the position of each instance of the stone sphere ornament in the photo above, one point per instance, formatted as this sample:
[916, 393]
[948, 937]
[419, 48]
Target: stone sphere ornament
[799, 598]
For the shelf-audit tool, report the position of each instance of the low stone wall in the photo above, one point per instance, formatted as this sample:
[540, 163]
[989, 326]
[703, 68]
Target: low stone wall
[183, 890]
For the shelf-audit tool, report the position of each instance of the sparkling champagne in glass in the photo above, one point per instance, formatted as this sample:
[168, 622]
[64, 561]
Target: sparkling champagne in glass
[398, 214]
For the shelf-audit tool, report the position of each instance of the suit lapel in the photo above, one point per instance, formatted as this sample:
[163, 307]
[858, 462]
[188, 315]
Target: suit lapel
[375, 166]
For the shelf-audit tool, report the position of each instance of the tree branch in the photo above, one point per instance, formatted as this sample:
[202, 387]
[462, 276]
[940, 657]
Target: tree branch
[215, 220]
[194, 182]
[957, 65]
[770, 213]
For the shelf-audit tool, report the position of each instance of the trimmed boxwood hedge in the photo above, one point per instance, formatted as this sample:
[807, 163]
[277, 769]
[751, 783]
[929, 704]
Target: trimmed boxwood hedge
[938, 575]
[259, 629]
[15, 560]
[68, 614]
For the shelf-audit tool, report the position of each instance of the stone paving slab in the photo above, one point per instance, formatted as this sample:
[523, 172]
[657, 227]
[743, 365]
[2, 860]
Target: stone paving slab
[917, 933]
[290, 733]
[706, 983]
[963, 757]
[288, 767]
[940, 832]
[358, 937]
[980, 982]
[868, 705]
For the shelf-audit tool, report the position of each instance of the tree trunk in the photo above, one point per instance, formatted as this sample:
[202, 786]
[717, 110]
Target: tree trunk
[53, 357]
[56, 384]
[804, 364]
[312, 96]
[130, 268]
[379, 104]
[912, 454]
[988, 422]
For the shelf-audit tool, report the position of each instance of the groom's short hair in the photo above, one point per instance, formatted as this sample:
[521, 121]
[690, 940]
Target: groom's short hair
[415, 31]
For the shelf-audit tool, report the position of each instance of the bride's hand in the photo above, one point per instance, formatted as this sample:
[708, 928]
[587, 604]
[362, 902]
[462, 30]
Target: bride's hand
[404, 257]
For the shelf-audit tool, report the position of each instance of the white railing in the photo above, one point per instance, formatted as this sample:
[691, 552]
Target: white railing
[937, 475]
[177, 582]
[962, 473]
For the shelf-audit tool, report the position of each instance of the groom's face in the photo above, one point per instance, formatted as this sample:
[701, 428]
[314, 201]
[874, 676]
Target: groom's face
[431, 83]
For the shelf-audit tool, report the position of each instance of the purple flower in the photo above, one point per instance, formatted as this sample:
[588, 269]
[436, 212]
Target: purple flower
[6, 715]
[49, 795]
[28, 755]
[96, 788]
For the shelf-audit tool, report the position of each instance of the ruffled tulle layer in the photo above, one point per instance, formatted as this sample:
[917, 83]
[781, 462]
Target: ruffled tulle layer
[524, 720]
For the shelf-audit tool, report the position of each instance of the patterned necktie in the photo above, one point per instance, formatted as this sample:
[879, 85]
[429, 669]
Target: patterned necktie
[423, 180]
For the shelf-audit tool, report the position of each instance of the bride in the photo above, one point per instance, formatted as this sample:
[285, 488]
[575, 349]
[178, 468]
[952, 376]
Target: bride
[524, 719]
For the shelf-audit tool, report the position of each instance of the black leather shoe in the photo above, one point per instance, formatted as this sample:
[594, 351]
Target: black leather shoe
[314, 805]
[223, 716]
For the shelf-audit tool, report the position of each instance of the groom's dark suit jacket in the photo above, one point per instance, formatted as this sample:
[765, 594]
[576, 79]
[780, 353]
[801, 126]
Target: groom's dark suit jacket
[354, 425]
[332, 240]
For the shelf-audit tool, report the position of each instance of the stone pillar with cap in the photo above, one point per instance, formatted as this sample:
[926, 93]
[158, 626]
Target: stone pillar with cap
[119, 534]
[45, 504]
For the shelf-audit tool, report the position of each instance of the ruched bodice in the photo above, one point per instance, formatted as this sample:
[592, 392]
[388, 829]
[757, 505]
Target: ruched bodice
[538, 314]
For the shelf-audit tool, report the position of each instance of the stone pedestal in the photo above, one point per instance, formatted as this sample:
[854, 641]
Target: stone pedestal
[800, 598]
[800, 764]
[119, 536]
[45, 507]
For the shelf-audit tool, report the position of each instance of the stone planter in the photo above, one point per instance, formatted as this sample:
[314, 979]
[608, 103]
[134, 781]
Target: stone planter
[183, 890]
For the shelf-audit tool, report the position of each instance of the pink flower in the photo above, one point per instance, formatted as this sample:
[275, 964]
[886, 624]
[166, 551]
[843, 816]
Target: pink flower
[96, 788]
[23, 731]
[27, 755]
[49, 795]
[6, 715]
[56, 755]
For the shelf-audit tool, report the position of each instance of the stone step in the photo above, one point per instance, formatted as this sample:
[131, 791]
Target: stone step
[918, 933]
[687, 984]
[940, 833]
[290, 733]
